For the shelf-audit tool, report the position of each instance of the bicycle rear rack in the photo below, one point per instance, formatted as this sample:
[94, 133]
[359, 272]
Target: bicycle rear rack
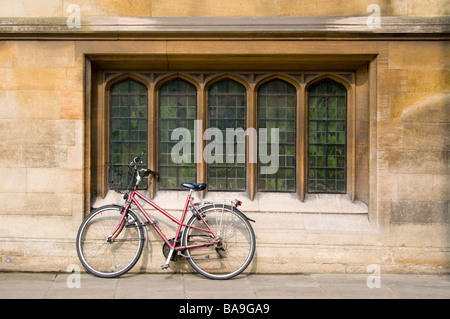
[221, 204]
[218, 203]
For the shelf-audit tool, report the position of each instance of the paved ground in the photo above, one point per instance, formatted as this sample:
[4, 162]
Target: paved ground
[192, 286]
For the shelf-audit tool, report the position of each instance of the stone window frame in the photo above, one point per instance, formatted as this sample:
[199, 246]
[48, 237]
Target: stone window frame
[251, 80]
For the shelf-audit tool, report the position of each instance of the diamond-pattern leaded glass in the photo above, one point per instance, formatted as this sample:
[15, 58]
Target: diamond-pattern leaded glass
[128, 129]
[327, 108]
[277, 102]
[227, 109]
[177, 109]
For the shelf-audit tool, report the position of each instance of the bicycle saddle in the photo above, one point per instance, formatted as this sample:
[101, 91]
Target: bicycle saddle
[195, 186]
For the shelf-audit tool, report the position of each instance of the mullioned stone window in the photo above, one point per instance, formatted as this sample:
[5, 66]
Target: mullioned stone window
[311, 114]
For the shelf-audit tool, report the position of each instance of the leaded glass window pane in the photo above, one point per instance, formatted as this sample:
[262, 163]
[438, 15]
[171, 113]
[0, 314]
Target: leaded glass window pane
[177, 109]
[227, 110]
[327, 108]
[127, 131]
[277, 102]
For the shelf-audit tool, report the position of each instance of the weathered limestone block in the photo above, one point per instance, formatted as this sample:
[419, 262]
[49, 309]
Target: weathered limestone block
[32, 104]
[418, 161]
[419, 55]
[42, 156]
[6, 54]
[420, 107]
[420, 212]
[428, 80]
[43, 54]
[423, 187]
[35, 132]
[426, 136]
[52, 79]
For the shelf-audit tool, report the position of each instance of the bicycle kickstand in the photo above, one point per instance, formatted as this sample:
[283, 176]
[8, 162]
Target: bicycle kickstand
[169, 256]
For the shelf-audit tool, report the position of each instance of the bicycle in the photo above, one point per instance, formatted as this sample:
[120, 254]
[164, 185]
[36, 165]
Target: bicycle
[218, 240]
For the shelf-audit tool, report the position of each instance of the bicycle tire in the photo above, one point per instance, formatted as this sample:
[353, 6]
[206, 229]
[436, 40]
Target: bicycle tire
[238, 242]
[108, 259]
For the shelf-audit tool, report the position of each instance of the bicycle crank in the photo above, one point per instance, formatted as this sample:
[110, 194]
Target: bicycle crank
[166, 251]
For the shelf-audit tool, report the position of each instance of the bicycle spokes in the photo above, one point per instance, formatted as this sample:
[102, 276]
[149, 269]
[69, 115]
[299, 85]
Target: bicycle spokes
[106, 248]
[234, 246]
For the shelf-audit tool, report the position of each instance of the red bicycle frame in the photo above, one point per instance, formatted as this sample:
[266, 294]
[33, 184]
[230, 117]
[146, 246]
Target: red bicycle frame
[173, 246]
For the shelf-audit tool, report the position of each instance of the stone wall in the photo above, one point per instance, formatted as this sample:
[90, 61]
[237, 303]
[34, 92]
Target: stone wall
[45, 171]
[231, 8]
[417, 158]
[41, 158]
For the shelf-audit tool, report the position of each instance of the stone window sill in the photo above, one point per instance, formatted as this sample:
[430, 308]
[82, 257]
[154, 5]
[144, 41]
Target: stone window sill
[263, 202]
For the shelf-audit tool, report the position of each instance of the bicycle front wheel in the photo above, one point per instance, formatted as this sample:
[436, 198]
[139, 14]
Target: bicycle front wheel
[106, 257]
[236, 247]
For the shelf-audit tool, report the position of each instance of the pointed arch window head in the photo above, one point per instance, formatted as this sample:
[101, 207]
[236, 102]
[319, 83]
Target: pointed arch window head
[177, 110]
[327, 130]
[127, 128]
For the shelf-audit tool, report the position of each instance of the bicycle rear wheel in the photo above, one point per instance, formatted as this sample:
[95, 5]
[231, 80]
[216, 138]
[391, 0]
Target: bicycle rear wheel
[102, 256]
[235, 251]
